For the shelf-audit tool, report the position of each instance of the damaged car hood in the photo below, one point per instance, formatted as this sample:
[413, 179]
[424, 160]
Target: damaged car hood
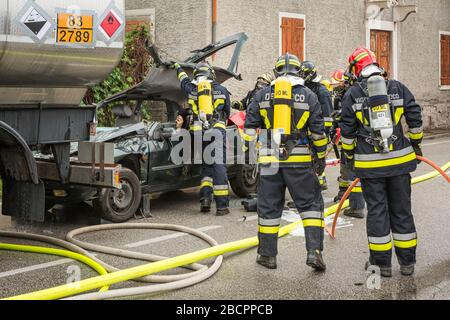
[162, 84]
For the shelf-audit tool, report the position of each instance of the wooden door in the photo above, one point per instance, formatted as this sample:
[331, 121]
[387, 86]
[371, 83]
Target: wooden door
[445, 60]
[293, 36]
[380, 44]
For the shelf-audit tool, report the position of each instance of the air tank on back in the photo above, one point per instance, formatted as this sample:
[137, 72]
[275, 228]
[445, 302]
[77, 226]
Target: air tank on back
[52, 50]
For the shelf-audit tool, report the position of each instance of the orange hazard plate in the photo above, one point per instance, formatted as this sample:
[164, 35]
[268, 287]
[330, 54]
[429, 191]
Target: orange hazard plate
[73, 28]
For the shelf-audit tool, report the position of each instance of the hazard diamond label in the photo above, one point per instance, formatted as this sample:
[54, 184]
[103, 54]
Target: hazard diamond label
[35, 21]
[111, 24]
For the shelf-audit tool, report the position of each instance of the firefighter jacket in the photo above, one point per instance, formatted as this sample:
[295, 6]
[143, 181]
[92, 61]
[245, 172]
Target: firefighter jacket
[307, 127]
[325, 101]
[221, 102]
[368, 161]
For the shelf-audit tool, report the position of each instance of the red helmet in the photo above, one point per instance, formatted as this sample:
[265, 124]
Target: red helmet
[361, 58]
[337, 77]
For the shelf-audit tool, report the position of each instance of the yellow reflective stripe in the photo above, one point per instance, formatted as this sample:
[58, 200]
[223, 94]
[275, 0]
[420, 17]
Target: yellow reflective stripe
[196, 128]
[328, 124]
[302, 122]
[265, 116]
[182, 75]
[269, 230]
[321, 143]
[246, 137]
[348, 147]
[357, 190]
[362, 55]
[415, 136]
[385, 163]
[193, 105]
[220, 125]
[405, 244]
[291, 159]
[399, 114]
[218, 102]
[206, 184]
[321, 155]
[221, 193]
[360, 117]
[313, 223]
[380, 247]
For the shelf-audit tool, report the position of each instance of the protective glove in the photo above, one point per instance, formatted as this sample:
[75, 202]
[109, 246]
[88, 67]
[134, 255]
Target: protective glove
[174, 65]
[237, 105]
[320, 166]
[418, 151]
[349, 159]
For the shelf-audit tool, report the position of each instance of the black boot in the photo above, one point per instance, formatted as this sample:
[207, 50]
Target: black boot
[407, 270]
[205, 205]
[268, 262]
[385, 271]
[315, 260]
[354, 213]
[339, 195]
[222, 211]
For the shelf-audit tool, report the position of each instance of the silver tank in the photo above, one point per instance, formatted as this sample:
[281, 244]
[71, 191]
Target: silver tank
[35, 69]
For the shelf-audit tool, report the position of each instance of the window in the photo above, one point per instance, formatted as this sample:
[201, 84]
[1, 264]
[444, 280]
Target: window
[292, 34]
[445, 60]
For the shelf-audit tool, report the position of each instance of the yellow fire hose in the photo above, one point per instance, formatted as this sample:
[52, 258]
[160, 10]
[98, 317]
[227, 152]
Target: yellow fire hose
[57, 252]
[171, 263]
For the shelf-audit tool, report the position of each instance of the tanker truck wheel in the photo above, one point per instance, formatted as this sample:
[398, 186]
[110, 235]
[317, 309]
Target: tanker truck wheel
[245, 182]
[120, 205]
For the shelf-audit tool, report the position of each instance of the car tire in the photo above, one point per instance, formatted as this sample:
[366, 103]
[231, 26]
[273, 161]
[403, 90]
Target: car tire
[245, 182]
[120, 205]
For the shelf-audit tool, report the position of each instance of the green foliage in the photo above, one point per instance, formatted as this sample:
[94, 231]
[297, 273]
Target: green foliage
[131, 70]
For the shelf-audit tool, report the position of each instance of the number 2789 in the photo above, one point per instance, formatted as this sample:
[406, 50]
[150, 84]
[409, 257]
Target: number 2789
[80, 36]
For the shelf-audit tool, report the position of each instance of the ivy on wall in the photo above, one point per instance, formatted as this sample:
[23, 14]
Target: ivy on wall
[131, 70]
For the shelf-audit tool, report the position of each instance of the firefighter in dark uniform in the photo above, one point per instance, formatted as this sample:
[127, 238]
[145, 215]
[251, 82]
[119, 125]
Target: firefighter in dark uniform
[209, 104]
[262, 82]
[312, 81]
[383, 158]
[341, 81]
[290, 117]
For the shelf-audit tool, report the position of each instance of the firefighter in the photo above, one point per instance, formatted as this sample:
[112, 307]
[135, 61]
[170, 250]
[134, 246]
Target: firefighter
[312, 81]
[209, 104]
[374, 142]
[290, 117]
[263, 81]
[341, 82]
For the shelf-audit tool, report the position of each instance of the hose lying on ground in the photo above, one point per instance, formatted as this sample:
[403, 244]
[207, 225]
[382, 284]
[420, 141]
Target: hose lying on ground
[344, 202]
[170, 282]
[156, 267]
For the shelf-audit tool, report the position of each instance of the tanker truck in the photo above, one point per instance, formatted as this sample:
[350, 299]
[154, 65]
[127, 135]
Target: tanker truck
[51, 51]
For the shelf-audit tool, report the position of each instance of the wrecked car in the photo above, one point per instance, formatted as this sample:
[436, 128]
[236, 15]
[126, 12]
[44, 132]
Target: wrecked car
[144, 148]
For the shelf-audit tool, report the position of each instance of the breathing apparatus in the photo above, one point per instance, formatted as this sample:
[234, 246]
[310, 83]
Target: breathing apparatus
[287, 71]
[380, 113]
[204, 77]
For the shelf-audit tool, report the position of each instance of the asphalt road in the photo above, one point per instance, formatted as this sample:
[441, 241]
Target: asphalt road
[240, 277]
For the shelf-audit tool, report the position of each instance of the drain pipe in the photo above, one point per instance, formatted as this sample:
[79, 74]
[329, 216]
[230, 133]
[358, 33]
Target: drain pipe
[214, 24]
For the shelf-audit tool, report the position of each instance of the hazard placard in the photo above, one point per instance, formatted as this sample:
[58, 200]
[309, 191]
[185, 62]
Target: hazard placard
[75, 28]
[35, 21]
[111, 24]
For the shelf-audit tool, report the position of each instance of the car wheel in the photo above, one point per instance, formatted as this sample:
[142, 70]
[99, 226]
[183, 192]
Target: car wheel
[246, 181]
[120, 205]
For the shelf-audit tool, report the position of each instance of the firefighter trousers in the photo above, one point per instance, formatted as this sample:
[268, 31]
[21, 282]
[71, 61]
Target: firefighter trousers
[215, 177]
[304, 188]
[389, 211]
[356, 197]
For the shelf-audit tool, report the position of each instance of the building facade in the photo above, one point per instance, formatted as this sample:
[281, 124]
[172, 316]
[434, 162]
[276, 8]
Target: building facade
[410, 37]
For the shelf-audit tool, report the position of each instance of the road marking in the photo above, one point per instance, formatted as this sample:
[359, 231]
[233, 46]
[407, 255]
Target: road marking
[131, 245]
[435, 143]
[35, 267]
[167, 237]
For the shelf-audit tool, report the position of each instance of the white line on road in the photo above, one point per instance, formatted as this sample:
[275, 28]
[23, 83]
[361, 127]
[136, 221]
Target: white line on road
[168, 237]
[435, 143]
[131, 245]
[35, 267]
